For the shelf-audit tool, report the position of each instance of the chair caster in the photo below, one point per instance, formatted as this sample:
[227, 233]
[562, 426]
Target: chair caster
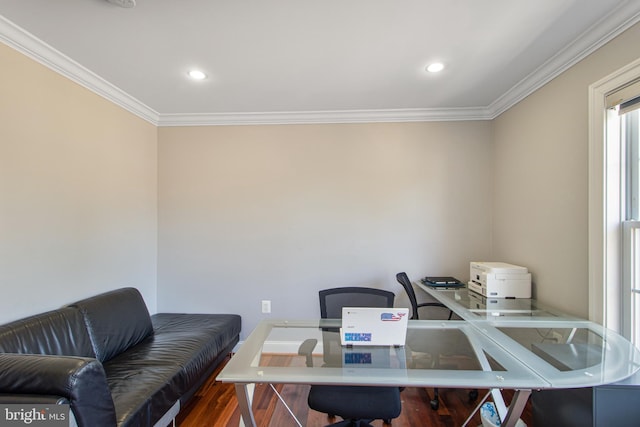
[435, 404]
[473, 395]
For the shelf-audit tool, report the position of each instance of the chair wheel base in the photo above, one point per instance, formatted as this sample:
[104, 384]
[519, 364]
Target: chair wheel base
[435, 404]
[473, 395]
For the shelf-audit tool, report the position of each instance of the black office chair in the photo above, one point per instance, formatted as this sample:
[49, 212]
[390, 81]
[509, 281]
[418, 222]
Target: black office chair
[357, 405]
[403, 279]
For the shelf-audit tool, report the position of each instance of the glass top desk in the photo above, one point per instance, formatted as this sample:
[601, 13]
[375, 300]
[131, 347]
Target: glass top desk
[517, 351]
[564, 350]
[472, 306]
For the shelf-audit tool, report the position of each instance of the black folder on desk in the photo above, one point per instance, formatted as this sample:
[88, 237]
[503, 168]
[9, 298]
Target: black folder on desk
[442, 282]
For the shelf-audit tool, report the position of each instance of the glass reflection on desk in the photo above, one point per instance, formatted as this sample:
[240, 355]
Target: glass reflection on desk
[468, 304]
[562, 349]
[566, 349]
[437, 353]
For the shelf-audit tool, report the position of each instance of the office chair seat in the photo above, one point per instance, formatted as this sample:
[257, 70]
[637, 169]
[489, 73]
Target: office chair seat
[363, 405]
[357, 405]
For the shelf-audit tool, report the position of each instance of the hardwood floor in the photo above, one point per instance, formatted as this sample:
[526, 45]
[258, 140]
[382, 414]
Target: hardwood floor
[215, 405]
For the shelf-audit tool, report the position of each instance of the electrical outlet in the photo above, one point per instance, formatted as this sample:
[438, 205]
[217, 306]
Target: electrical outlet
[266, 306]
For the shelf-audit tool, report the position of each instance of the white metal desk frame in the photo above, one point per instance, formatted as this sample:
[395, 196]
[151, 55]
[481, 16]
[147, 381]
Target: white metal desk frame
[244, 370]
[508, 415]
[488, 320]
[521, 395]
[483, 334]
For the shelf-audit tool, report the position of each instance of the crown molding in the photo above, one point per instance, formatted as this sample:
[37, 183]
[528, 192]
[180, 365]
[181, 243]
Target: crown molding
[603, 31]
[610, 26]
[314, 117]
[41, 52]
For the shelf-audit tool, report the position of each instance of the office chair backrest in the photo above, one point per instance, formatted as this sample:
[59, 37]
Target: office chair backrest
[332, 300]
[357, 405]
[403, 279]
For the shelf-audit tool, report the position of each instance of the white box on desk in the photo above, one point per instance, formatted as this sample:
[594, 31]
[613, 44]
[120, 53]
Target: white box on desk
[499, 280]
[374, 326]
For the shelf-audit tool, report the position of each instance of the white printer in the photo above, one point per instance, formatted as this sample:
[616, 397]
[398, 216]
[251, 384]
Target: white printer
[499, 280]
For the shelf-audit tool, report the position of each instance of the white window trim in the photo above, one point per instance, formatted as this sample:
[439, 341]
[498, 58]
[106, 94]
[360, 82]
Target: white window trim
[604, 270]
[631, 240]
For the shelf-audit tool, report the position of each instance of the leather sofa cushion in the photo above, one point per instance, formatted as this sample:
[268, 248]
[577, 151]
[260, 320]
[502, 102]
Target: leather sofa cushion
[115, 320]
[203, 336]
[142, 391]
[58, 332]
[146, 380]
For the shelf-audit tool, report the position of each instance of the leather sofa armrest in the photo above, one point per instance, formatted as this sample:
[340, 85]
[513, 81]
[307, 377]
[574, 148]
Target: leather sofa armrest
[80, 380]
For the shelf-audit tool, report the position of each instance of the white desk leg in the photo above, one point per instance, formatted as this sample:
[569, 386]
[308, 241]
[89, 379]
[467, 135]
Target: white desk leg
[498, 400]
[515, 409]
[504, 412]
[244, 403]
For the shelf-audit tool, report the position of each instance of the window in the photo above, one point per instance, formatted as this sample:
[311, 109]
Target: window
[630, 292]
[614, 202]
[630, 140]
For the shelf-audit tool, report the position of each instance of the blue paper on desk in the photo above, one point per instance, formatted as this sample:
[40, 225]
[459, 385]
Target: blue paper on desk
[374, 357]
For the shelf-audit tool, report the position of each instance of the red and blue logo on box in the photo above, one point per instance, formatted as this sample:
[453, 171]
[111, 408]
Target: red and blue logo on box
[391, 317]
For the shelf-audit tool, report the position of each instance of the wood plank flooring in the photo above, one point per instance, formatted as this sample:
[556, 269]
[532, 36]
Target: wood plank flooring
[215, 405]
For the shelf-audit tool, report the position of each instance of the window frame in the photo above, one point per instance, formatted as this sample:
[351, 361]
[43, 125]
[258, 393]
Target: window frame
[605, 236]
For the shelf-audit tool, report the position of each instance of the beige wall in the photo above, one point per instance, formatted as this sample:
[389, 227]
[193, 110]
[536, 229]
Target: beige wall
[78, 192]
[280, 212]
[541, 178]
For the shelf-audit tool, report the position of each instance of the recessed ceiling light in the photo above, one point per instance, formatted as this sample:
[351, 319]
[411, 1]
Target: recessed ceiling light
[435, 67]
[197, 75]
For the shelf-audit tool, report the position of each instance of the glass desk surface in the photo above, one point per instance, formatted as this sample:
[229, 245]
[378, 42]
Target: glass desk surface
[472, 306]
[532, 354]
[500, 344]
[564, 350]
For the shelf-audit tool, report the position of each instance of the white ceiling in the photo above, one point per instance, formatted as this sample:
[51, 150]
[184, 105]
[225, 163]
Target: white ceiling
[274, 61]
